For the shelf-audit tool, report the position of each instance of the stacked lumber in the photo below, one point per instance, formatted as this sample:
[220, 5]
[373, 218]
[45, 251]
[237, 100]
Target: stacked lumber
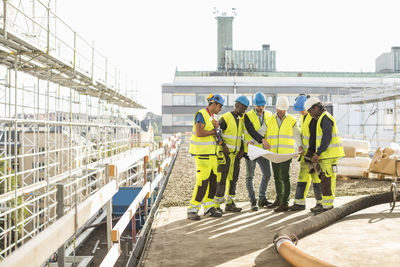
[356, 161]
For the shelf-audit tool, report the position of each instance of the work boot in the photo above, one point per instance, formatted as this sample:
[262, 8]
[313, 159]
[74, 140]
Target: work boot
[220, 210]
[319, 210]
[282, 207]
[263, 203]
[318, 206]
[273, 205]
[297, 207]
[213, 212]
[254, 205]
[193, 216]
[232, 207]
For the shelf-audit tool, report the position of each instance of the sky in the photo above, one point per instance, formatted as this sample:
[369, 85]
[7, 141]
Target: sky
[149, 39]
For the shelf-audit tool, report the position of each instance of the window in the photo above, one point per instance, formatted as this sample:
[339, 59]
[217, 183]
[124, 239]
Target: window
[182, 120]
[201, 99]
[178, 100]
[184, 100]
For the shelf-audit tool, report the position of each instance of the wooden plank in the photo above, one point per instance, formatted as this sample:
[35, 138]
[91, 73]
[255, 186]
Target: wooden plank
[36, 251]
[112, 256]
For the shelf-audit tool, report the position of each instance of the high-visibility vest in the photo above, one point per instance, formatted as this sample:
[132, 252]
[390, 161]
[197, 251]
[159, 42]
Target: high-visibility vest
[305, 130]
[203, 145]
[281, 139]
[261, 129]
[335, 148]
[232, 135]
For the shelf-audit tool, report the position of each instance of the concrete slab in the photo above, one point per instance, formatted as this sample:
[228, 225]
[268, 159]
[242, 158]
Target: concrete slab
[366, 238]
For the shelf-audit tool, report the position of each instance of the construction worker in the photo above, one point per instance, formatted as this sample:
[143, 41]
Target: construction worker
[204, 147]
[231, 124]
[282, 134]
[305, 178]
[255, 128]
[326, 149]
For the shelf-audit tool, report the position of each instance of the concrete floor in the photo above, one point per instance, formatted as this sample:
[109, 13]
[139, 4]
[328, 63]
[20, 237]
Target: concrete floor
[367, 238]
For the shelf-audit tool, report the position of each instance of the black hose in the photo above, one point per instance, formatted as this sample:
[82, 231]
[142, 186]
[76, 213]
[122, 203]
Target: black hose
[315, 223]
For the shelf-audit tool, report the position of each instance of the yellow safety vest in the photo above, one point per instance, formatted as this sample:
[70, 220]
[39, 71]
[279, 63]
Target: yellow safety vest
[335, 148]
[281, 139]
[261, 129]
[203, 145]
[305, 130]
[232, 135]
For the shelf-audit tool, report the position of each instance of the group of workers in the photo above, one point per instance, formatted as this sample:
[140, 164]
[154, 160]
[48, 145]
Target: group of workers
[219, 145]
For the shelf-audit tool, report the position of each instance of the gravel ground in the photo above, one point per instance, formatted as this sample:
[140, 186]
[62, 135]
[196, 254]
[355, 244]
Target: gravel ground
[181, 183]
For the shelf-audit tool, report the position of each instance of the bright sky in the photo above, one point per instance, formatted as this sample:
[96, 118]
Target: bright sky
[149, 39]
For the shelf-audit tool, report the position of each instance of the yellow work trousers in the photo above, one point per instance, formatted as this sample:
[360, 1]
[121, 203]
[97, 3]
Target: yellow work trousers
[304, 182]
[206, 183]
[328, 181]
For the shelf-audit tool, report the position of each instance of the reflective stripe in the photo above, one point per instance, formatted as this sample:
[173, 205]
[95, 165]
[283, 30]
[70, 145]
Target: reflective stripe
[329, 206]
[281, 136]
[230, 146]
[283, 146]
[300, 202]
[208, 203]
[229, 136]
[306, 146]
[197, 143]
[219, 200]
[230, 197]
[335, 145]
[306, 137]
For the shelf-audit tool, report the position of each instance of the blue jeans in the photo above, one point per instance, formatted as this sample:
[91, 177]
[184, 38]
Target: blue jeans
[266, 175]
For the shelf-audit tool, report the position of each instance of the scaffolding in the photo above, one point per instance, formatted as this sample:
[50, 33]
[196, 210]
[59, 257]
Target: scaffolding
[373, 113]
[63, 118]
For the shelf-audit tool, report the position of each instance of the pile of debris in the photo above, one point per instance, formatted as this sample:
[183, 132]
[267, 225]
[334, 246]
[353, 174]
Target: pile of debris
[386, 161]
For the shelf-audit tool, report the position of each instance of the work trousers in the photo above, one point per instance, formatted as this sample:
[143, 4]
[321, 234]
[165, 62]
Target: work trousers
[266, 175]
[206, 183]
[282, 181]
[304, 182]
[328, 181]
[226, 186]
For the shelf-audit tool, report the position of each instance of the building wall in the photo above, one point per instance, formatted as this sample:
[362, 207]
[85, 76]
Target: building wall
[225, 38]
[389, 62]
[263, 60]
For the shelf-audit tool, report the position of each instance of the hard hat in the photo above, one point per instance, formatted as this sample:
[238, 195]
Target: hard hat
[299, 104]
[311, 102]
[259, 99]
[243, 100]
[282, 103]
[215, 98]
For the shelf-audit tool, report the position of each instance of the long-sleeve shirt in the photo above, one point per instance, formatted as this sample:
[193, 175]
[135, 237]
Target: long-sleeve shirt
[326, 126]
[250, 128]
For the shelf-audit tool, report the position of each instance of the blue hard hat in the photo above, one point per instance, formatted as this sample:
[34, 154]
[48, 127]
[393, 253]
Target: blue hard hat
[259, 99]
[216, 98]
[299, 104]
[243, 100]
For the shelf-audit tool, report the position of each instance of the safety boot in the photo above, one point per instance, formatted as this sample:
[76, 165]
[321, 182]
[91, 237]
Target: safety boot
[220, 210]
[254, 205]
[273, 205]
[263, 202]
[193, 216]
[297, 207]
[282, 207]
[232, 207]
[318, 206]
[213, 212]
[319, 210]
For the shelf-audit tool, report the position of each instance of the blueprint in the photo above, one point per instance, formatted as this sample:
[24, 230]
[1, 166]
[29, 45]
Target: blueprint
[255, 152]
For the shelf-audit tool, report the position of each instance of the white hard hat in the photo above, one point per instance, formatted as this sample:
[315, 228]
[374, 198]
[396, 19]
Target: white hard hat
[282, 103]
[311, 102]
